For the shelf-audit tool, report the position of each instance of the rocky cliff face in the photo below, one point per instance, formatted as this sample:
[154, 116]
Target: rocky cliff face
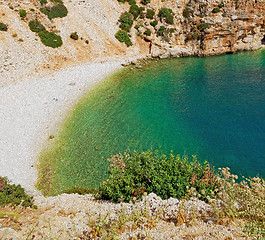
[199, 28]
[215, 27]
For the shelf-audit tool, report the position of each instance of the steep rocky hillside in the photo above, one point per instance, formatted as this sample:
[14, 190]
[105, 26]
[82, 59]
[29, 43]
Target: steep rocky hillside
[197, 28]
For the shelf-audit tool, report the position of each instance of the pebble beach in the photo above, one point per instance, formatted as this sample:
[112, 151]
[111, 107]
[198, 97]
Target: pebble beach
[31, 109]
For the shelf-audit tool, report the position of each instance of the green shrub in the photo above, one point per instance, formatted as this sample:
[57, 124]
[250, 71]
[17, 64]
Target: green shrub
[150, 13]
[134, 10]
[42, 2]
[192, 36]
[161, 31]
[36, 26]
[22, 13]
[202, 26]
[216, 10]
[142, 15]
[154, 23]
[57, 11]
[187, 12]
[147, 32]
[167, 14]
[165, 175]
[131, 2]
[50, 39]
[126, 21]
[74, 36]
[145, 2]
[123, 37]
[3, 27]
[221, 5]
[13, 194]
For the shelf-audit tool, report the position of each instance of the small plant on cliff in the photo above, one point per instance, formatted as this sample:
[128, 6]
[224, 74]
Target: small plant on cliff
[50, 39]
[150, 13]
[57, 11]
[147, 32]
[74, 36]
[126, 21]
[131, 2]
[167, 14]
[145, 2]
[3, 27]
[123, 37]
[36, 26]
[42, 2]
[22, 13]
[134, 10]
[216, 10]
[202, 26]
[13, 194]
[165, 175]
[154, 23]
[187, 12]
[161, 31]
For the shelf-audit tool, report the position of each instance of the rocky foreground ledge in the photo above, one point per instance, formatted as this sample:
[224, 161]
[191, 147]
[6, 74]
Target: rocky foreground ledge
[73, 216]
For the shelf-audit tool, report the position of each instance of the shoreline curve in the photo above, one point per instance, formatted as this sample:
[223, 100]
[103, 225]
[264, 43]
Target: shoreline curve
[30, 110]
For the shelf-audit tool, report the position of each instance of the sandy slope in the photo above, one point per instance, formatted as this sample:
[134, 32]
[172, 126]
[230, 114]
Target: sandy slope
[30, 109]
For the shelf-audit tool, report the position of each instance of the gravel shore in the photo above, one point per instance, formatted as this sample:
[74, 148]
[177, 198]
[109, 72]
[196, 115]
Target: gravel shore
[31, 109]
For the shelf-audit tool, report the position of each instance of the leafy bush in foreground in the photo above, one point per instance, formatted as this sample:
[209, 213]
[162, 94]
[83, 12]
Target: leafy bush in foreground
[50, 39]
[13, 194]
[166, 176]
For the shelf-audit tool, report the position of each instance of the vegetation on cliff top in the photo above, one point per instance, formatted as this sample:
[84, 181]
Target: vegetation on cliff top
[167, 176]
[133, 175]
[13, 194]
[142, 18]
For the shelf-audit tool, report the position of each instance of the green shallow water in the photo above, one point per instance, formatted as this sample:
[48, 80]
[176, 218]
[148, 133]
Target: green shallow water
[213, 107]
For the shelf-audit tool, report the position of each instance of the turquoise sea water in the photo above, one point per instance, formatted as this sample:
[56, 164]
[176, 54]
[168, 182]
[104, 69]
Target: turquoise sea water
[212, 107]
